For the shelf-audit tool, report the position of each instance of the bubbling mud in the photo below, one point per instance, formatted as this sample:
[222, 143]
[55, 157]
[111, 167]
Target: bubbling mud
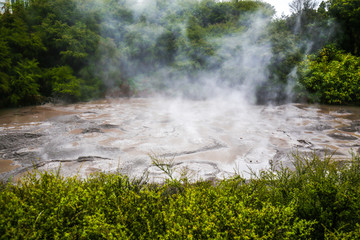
[204, 139]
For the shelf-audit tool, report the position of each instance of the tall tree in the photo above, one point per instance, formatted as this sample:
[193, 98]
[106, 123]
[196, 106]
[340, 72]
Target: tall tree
[298, 6]
[347, 13]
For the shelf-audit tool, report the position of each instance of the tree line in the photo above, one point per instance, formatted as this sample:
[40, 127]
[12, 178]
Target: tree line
[78, 50]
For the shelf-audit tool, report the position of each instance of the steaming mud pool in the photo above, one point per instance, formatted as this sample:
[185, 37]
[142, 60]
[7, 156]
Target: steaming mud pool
[203, 139]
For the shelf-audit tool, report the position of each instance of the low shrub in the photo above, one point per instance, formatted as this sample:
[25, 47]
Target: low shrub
[320, 199]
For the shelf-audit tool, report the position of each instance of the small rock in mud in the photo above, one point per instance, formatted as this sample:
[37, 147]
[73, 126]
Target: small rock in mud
[32, 135]
[344, 111]
[348, 129]
[92, 130]
[90, 158]
[305, 143]
[354, 127]
[342, 136]
[66, 119]
[319, 127]
[108, 126]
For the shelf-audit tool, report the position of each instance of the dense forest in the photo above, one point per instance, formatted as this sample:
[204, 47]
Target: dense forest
[67, 50]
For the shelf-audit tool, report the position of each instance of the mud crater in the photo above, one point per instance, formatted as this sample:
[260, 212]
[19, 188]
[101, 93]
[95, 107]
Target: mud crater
[206, 139]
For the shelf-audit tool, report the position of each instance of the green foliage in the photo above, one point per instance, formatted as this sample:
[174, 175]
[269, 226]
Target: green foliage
[23, 84]
[166, 47]
[332, 76]
[347, 13]
[109, 206]
[120, 47]
[318, 199]
[323, 190]
[5, 65]
[63, 83]
[75, 44]
[209, 212]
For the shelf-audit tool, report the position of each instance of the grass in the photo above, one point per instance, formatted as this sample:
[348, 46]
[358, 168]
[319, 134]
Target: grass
[320, 199]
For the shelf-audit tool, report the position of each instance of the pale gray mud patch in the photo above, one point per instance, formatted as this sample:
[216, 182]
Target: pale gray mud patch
[20, 146]
[208, 139]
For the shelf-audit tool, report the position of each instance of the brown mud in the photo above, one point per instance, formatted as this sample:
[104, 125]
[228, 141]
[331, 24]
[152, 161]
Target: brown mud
[7, 165]
[206, 139]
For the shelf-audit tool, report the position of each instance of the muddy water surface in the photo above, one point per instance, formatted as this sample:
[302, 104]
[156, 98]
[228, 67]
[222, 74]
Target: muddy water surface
[205, 139]
[7, 165]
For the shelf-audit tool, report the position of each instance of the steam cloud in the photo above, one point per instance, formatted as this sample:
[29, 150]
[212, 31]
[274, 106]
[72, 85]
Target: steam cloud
[239, 63]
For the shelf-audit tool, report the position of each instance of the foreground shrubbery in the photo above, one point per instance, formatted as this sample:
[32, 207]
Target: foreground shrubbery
[320, 199]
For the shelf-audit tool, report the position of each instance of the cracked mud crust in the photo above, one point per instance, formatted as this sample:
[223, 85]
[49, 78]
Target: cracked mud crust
[207, 139]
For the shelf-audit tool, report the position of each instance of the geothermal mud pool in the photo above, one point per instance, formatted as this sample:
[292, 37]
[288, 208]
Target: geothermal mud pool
[204, 139]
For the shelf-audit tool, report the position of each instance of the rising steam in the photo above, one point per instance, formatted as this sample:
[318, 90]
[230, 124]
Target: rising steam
[238, 62]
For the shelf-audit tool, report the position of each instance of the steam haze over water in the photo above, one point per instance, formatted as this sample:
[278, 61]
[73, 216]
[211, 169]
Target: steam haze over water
[201, 108]
[207, 139]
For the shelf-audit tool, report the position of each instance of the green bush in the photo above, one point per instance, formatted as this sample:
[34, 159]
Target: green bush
[319, 199]
[332, 77]
[63, 83]
[110, 206]
[24, 84]
[323, 190]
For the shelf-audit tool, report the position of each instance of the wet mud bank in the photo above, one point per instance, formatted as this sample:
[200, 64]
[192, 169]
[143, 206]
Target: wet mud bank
[203, 139]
